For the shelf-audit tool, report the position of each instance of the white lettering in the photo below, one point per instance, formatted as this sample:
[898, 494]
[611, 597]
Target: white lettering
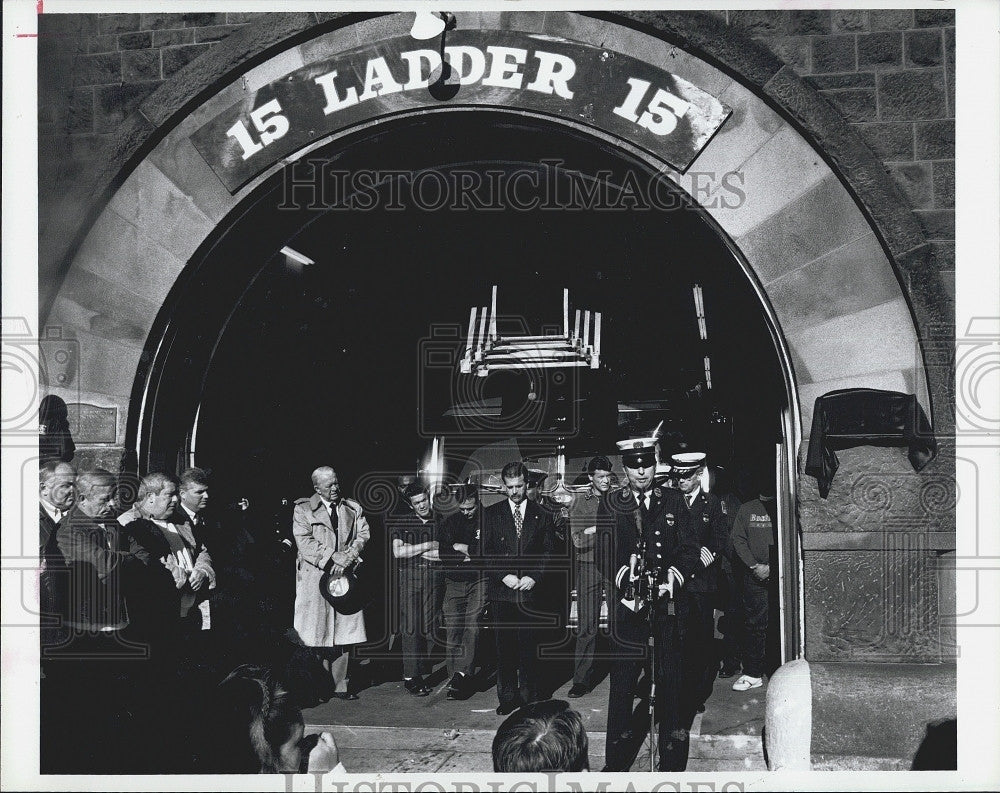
[413, 59]
[503, 67]
[554, 74]
[333, 101]
[477, 63]
[269, 122]
[664, 110]
[377, 74]
[629, 109]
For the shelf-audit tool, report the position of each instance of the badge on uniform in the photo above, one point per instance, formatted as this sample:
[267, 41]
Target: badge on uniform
[670, 518]
[704, 518]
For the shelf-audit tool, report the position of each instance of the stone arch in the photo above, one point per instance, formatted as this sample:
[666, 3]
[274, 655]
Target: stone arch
[823, 231]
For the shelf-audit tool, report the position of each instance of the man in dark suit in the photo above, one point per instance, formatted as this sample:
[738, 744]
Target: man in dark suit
[517, 544]
[104, 667]
[701, 660]
[56, 495]
[652, 525]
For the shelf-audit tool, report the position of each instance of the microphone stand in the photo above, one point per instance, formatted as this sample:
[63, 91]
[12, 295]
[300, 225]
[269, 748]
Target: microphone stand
[653, 591]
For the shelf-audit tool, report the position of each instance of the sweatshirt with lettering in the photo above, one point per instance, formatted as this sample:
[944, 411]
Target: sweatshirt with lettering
[755, 532]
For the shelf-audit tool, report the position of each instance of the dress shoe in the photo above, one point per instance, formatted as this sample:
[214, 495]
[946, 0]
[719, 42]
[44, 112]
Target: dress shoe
[746, 682]
[415, 685]
[350, 696]
[459, 687]
[506, 708]
[577, 690]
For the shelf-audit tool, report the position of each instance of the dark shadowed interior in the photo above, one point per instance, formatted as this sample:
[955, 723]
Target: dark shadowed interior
[352, 360]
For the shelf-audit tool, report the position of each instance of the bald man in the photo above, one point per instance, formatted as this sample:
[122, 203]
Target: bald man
[330, 532]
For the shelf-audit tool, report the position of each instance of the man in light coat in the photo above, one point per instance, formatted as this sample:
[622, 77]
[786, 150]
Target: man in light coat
[330, 532]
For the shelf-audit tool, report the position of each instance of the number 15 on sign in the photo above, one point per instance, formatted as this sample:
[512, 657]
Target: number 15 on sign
[270, 123]
[660, 114]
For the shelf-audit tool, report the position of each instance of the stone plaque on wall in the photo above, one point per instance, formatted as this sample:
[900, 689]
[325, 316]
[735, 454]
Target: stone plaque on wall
[93, 423]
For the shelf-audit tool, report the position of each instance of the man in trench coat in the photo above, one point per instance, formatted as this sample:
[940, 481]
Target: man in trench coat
[330, 532]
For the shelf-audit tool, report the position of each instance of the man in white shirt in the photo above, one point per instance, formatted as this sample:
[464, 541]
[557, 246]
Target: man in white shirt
[188, 560]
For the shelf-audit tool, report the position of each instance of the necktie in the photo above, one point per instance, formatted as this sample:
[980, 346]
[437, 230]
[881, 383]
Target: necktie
[518, 520]
[690, 500]
[333, 516]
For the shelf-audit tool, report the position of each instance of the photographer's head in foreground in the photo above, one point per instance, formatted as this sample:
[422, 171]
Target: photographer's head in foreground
[542, 736]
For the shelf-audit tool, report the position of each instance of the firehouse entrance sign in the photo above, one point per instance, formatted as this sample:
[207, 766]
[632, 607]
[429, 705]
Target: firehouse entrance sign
[654, 110]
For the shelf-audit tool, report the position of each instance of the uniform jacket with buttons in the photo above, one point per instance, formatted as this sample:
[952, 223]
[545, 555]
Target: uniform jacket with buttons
[712, 529]
[504, 553]
[670, 538]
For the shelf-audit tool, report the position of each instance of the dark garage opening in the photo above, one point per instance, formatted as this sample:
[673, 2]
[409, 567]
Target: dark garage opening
[271, 367]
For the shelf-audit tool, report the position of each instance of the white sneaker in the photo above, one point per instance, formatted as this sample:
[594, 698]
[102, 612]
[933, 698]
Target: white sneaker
[746, 682]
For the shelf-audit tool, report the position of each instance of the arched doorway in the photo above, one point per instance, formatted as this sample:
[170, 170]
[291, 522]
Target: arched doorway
[801, 232]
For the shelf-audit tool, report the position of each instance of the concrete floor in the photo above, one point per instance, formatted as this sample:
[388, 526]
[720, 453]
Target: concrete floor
[389, 730]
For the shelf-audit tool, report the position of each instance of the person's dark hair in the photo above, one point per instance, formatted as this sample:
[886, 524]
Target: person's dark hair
[193, 476]
[414, 489]
[514, 470]
[939, 749]
[543, 736]
[465, 492]
[599, 463]
[255, 714]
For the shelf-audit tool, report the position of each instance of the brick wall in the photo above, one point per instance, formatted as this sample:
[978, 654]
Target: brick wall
[891, 72]
[95, 69]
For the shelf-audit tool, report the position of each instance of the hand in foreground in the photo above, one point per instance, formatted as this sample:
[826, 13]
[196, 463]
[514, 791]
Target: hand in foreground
[668, 587]
[511, 580]
[324, 756]
[342, 559]
[526, 583]
[762, 571]
[336, 570]
[197, 578]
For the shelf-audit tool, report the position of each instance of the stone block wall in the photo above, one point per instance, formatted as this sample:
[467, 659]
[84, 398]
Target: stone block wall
[94, 70]
[890, 72]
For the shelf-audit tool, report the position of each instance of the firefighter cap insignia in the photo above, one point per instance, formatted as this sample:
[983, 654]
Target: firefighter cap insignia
[687, 462]
[638, 452]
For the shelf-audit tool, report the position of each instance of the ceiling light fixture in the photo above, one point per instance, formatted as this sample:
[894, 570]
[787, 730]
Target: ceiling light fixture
[295, 256]
[430, 24]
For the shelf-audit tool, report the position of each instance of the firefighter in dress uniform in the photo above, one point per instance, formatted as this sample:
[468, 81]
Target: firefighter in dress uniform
[653, 540]
[712, 531]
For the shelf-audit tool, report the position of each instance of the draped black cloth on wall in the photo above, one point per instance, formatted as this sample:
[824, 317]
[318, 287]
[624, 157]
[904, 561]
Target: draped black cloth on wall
[866, 417]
